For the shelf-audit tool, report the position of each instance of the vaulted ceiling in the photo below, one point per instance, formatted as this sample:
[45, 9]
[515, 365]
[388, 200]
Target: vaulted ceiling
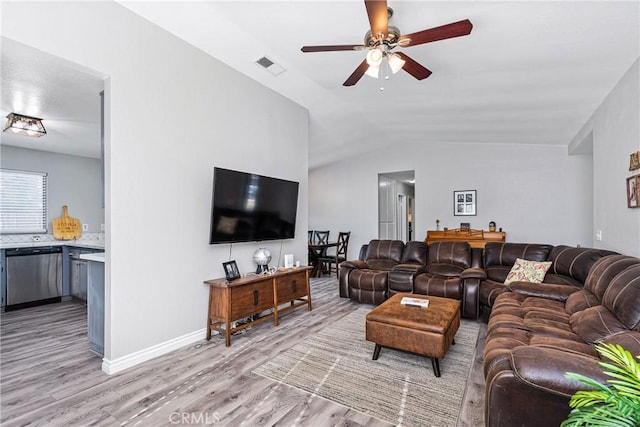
[530, 72]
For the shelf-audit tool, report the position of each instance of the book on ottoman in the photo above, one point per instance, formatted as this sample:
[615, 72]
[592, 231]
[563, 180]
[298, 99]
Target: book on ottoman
[414, 302]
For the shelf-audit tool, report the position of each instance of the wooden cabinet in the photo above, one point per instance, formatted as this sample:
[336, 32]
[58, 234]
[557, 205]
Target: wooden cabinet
[475, 238]
[279, 292]
[251, 299]
[291, 287]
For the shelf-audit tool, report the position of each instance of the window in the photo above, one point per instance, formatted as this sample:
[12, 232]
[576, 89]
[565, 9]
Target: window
[23, 202]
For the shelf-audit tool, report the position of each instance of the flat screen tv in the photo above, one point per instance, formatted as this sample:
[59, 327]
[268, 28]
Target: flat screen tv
[247, 207]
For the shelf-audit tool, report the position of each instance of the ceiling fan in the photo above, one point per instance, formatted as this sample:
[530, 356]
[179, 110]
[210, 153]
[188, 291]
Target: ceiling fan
[383, 38]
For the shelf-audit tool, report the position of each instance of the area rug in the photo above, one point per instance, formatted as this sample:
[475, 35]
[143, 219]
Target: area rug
[399, 387]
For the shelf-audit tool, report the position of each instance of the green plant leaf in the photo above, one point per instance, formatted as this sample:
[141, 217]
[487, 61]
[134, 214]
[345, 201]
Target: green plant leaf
[615, 404]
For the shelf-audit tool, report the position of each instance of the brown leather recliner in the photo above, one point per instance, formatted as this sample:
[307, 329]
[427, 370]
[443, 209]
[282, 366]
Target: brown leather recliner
[449, 274]
[401, 276]
[537, 332]
[367, 280]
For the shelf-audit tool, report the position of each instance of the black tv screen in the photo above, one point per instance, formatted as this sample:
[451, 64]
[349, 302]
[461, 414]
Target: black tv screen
[247, 207]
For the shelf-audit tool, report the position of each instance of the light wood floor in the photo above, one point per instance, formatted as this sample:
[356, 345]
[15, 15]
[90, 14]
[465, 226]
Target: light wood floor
[48, 377]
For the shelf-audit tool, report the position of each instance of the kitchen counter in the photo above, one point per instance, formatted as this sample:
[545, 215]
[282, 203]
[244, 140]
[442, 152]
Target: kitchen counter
[89, 244]
[97, 257]
[70, 271]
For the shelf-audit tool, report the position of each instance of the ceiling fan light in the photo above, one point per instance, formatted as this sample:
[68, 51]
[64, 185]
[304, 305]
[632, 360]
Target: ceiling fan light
[373, 71]
[374, 57]
[396, 63]
[24, 125]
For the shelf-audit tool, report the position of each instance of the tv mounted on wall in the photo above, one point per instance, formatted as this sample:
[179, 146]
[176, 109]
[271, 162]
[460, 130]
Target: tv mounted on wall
[247, 207]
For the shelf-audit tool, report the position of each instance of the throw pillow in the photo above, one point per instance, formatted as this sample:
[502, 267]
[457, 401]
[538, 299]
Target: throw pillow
[528, 271]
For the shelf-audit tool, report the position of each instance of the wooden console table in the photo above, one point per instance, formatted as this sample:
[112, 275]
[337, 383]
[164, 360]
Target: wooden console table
[252, 295]
[475, 238]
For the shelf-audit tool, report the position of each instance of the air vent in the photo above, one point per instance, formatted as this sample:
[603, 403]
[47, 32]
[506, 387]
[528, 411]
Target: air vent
[270, 66]
[265, 62]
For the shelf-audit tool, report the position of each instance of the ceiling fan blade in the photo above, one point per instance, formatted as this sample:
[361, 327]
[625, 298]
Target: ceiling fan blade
[357, 74]
[455, 29]
[378, 17]
[413, 68]
[332, 48]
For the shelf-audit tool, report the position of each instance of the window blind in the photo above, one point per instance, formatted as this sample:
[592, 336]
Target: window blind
[23, 202]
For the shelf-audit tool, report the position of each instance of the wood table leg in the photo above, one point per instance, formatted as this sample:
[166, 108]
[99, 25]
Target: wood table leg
[376, 352]
[227, 334]
[436, 366]
[308, 285]
[317, 268]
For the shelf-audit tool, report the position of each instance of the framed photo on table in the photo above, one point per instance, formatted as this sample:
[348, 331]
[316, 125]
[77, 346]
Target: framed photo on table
[231, 270]
[464, 203]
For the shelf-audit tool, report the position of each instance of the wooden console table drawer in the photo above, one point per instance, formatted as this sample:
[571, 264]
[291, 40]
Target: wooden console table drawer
[294, 289]
[251, 299]
[291, 287]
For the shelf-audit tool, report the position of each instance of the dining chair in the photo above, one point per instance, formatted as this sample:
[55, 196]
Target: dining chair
[310, 237]
[321, 237]
[340, 255]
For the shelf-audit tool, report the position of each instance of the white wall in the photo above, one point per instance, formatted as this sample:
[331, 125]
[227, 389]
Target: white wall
[614, 131]
[72, 180]
[535, 193]
[172, 114]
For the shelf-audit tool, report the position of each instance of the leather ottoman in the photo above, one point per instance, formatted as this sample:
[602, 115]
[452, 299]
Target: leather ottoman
[428, 331]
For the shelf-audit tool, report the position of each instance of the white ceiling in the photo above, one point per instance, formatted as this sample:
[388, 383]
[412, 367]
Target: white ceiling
[63, 94]
[530, 72]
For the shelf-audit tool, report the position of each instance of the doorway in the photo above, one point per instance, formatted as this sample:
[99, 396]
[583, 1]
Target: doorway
[405, 217]
[396, 201]
[73, 155]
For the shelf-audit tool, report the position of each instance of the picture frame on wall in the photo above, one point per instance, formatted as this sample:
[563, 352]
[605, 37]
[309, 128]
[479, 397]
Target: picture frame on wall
[231, 271]
[633, 191]
[465, 203]
[634, 161]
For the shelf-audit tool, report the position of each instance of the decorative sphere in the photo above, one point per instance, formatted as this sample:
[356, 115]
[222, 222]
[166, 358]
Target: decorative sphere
[262, 256]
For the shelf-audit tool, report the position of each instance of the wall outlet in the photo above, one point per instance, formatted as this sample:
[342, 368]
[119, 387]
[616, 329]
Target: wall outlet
[85, 227]
[599, 235]
[101, 227]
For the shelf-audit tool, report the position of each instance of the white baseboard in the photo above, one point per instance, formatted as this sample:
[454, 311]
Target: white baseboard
[111, 367]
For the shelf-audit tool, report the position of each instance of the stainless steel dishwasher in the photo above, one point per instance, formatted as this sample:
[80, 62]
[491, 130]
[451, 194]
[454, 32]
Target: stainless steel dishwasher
[34, 276]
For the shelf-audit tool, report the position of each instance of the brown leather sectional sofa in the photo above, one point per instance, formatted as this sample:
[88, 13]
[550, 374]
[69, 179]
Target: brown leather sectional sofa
[570, 265]
[536, 332]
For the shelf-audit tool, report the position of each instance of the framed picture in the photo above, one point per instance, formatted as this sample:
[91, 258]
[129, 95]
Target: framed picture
[464, 203]
[231, 270]
[634, 161]
[633, 191]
